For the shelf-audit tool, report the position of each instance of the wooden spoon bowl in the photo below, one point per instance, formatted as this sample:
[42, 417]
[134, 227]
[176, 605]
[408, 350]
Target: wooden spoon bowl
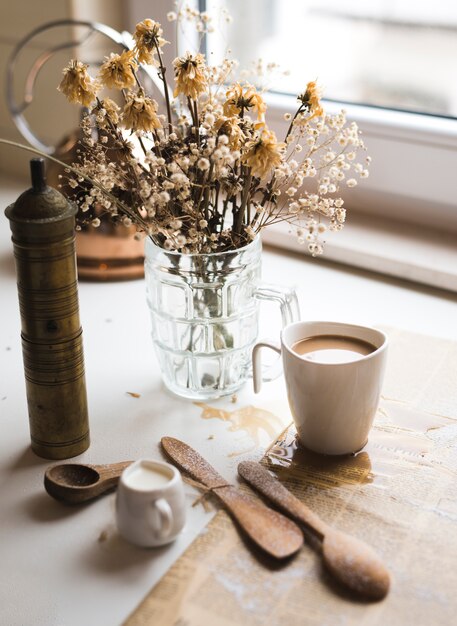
[76, 482]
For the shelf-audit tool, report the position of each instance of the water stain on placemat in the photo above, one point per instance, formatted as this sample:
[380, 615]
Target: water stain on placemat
[411, 418]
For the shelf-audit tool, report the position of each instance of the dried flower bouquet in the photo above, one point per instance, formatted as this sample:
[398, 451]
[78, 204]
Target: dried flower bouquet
[207, 174]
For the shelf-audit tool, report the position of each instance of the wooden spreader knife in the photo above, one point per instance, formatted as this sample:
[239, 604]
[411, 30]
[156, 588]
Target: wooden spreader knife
[272, 532]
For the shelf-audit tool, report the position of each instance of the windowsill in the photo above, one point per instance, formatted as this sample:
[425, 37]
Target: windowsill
[410, 126]
[396, 249]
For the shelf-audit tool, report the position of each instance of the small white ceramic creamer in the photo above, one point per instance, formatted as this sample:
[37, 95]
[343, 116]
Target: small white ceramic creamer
[150, 505]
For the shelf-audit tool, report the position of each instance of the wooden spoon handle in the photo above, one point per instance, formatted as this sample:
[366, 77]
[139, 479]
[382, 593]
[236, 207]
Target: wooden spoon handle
[111, 472]
[271, 531]
[270, 487]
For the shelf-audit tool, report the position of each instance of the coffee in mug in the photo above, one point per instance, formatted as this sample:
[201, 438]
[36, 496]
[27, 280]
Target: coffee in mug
[332, 348]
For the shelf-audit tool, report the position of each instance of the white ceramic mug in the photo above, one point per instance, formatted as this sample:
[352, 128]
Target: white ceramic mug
[150, 504]
[333, 404]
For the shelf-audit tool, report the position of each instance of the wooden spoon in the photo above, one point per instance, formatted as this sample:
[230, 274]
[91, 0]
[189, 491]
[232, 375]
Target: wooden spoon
[277, 535]
[75, 482]
[350, 560]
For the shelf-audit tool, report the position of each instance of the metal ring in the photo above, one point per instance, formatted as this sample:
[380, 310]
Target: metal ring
[124, 39]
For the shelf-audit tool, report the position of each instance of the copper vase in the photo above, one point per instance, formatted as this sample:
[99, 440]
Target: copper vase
[109, 252]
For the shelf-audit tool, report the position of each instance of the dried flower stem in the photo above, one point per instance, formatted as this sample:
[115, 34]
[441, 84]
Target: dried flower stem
[162, 73]
[244, 199]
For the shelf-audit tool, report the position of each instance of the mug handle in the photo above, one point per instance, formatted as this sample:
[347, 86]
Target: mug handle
[287, 299]
[165, 517]
[257, 377]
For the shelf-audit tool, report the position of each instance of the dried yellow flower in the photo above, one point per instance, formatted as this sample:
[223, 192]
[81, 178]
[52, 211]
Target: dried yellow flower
[262, 153]
[77, 85]
[190, 75]
[311, 99]
[140, 113]
[112, 110]
[239, 101]
[118, 71]
[230, 126]
[107, 111]
[148, 39]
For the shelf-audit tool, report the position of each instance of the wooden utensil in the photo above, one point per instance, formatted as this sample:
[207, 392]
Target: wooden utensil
[350, 560]
[75, 482]
[271, 531]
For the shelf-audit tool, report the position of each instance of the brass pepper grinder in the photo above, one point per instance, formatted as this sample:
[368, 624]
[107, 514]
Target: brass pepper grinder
[42, 222]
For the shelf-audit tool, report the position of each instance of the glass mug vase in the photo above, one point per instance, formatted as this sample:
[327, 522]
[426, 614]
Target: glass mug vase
[205, 314]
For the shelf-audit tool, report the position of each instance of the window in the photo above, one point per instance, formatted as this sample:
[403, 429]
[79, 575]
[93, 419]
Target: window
[391, 53]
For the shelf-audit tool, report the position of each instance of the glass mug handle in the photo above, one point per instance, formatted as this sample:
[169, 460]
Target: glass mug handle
[287, 299]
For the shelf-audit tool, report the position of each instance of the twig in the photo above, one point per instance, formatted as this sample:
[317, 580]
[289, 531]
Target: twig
[163, 70]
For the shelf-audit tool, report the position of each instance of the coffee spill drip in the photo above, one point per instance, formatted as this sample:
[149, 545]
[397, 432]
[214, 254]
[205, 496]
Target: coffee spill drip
[377, 462]
[399, 436]
[292, 461]
[250, 419]
[382, 457]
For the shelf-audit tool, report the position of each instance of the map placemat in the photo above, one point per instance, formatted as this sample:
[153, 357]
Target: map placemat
[399, 494]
